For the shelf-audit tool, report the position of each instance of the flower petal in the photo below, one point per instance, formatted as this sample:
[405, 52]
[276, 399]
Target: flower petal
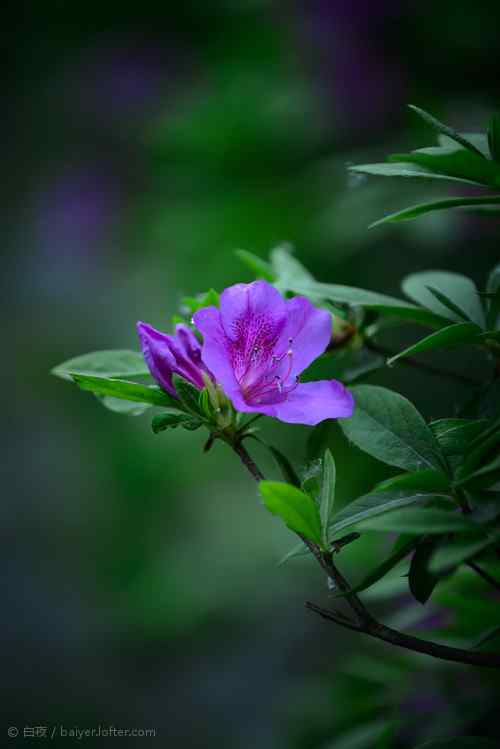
[250, 301]
[312, 402]
[309, 328]
[215, 354]
[157, 355]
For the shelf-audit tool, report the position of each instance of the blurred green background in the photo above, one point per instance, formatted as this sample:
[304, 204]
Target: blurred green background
[143, 145]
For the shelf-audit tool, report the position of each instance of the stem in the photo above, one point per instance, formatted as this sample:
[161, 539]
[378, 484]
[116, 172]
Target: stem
[417, 364]
[402, 640]
[365, 622]
[485, 575]
[247, 461]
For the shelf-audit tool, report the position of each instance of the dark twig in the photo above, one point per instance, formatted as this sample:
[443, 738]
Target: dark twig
[485, 575]
[365, 622]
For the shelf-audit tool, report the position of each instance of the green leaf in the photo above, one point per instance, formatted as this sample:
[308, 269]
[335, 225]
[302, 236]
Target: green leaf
[419, 520]
[327, 493]
[406, 169]
[385, 305]
[454, 551]
[427, 480]
[440, 127]
[494, 137]
[420, 580]
[173, 419]
[260, 268]
[455, 437]
[407, 214]
[453, 161]
[287, 268]
[119, 406]
[481, 449]
[299, 550]
[125, 390]
[493, 287]
[189, 395]
[379, 503]
[388, 427]
[386, 566]
[485, 476]
[459, 289]
[453, 335]
[111, 363]
[192, 304]
[299, 512]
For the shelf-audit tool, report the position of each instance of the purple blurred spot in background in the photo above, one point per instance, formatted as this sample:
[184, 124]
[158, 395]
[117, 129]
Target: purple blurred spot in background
[365, 86]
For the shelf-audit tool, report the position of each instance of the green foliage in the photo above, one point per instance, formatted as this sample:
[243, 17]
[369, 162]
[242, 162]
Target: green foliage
[122, 389]
[396, 556]
[418, 520]
[420, 580]
[327, 494]
[459, 158]
[440, 127]
[189, 395]
[388, 427]
[437, 205]
[119, 363]
[449, 337]
[459, 299]
[173, 419]
[371, 506]
[298, 511]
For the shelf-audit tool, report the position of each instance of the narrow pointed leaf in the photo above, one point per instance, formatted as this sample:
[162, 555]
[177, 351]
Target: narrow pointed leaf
[299, 550]
[379, 503]
[288, 269]
[260, 268]
[450, 160]
[440, 127]
[453, 335]
[459, 289]
[123, 389]
[407, 214]
[299, 512]
[408, 170]
[327, 493]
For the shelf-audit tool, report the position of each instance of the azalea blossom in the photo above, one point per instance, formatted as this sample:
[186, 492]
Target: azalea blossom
[165, 354]
[256, 346]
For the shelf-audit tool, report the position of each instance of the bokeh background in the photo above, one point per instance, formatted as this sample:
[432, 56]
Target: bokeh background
[142, 146]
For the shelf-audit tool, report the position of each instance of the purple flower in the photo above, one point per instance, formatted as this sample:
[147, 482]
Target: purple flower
[257, 345]
[166, 354]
